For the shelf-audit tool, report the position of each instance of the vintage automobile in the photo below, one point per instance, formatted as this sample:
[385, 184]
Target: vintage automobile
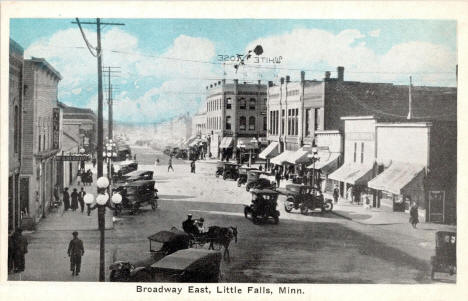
[243, 175]
[219, 168]
[263, 206]
[255, 181]
[123, 168]
[135, 195]
[445, 259]
[136, 175]
[168, 242]
[231, 171]
[305, 198]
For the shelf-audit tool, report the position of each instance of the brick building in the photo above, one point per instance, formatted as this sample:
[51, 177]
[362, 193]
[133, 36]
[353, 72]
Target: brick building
[41, 137]
[235, 114]
[86, 122]
[15, 121]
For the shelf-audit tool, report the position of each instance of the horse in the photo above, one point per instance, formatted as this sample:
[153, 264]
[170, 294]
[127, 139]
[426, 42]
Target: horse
[222, 236]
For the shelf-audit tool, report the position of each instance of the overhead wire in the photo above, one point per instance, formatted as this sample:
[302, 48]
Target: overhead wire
[90, 47]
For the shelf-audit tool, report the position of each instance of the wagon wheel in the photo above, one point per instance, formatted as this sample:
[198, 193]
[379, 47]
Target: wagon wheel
[217, 245]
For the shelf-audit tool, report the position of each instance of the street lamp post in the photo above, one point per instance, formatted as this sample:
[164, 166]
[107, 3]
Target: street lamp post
[101, 202]
[314, 156]
[254, 142]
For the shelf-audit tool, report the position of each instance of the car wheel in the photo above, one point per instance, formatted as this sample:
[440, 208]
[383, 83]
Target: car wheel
[154, 205]
[304, 209]
[238, 183]
[246, 212]
[255, 219]
[327, 207]
[289, 204]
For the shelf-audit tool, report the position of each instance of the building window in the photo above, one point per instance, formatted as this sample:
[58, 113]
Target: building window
[228, 122]
[307, 123]
[242, 123]
[242, 103]
[251, 123]
[16, 130]
[282, 122]
[355, 149]
[252, 104]
[289, 122]
[296, 122]
[362, 152]
[228, 103]
[277, 122]
[316, 119]
[264, 123]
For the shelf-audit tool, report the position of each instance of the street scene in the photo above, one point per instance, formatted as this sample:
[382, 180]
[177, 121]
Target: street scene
[232, 157]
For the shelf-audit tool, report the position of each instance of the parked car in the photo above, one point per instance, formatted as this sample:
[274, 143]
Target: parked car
[255, 181]
[243, 175]
[231, 171]
[137, 194]
[136, 175]
[305, 198]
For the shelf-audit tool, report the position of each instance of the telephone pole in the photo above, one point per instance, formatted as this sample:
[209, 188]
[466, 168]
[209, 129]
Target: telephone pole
[110, 89]
[100, 148]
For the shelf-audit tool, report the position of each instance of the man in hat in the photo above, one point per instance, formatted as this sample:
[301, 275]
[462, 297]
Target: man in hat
[20, 247]
[75, 251]
[187, 225]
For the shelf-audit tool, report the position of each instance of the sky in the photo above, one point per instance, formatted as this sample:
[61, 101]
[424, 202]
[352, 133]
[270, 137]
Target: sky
[165, 64]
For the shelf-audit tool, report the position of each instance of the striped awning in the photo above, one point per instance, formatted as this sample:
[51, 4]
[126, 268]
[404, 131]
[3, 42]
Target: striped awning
[355, 174]
[270, 151]
[299, 156]
[226, 142]
[281, 158]
[327, 161]
[396, 177]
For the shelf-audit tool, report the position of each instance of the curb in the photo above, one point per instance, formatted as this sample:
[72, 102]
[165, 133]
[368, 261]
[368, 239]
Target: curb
[364, 223]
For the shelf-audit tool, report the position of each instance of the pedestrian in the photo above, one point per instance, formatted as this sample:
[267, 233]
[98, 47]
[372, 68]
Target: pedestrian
[78, 178]
[56, 194]
[74, 199]
[414, 215]
[278, 178]
[349, 194]
[260, 167]
[81, 195]
[20, 248]
[75, 251]
[66, 199]
[336, 194]
[169, 166]
[94, 162]
[192, 166]
[134, 157]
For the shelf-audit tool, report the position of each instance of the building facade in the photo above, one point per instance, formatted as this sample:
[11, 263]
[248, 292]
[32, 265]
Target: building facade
[15, 122]
[235, 114]
[199, 124]
[86, 122]
[41, 137]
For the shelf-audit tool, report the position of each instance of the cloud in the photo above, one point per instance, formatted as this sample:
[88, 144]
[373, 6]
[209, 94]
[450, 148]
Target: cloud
[374, 33]
[76, 91]
[313, 49]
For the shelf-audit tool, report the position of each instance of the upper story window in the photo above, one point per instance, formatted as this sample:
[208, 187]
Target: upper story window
[264, 123]
[251, 123]
[362, 152]
[252, 103]
[228, 122]
[228, 103]
[242, 103]
[355, 150]
[242, 123]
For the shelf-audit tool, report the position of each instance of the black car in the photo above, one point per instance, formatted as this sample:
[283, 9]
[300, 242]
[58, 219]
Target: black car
[137, 194]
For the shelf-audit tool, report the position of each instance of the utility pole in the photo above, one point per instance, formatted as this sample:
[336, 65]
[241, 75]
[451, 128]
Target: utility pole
[100, 148]
[410, 100]
[110, 88]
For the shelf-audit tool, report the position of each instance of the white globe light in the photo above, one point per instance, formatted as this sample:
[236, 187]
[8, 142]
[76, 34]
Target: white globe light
[82, 150]
[109, 154]
[116, 198]
[88, 199]
[116, 168]
[114, 154]
[101, 199]
[103, 154]
[102, 182]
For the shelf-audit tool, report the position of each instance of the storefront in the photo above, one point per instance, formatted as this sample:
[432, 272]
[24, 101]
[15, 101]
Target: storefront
[226, 148]
[353, 180]
[398, 185]
[324, 166]
[247, 150]
[269, 152]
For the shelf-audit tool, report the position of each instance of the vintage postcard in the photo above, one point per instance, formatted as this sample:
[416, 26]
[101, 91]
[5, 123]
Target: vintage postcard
[176, 150]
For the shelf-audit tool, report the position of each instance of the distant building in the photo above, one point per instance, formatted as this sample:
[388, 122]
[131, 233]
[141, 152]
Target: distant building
[41, 137]
[15, 121]
[199, 124]
[235, 114]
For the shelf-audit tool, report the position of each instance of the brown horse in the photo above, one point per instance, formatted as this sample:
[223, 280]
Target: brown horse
[222, 236]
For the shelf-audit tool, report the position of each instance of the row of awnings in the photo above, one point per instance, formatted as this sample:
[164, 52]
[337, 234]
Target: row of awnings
[395, 179]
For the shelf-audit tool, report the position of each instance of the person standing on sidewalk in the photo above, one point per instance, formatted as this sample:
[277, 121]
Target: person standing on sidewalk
[66, 199]
[192, 166]
[74, 199]
[81, 195]
[414, 215]
[78, 178]
[278, 178]
[20, 248]
[169, 166]
[336, 194]
[75, 251]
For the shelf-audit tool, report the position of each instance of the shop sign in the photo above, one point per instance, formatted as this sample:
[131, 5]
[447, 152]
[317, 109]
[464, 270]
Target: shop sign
[56, 128]
[72, 157]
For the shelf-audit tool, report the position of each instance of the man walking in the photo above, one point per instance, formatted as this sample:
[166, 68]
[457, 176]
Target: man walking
[81, 195]
[192, 166]
[75, 251]
[20, 247]
[66, 199]
[336, 194]
[169, 166]
[74, 199]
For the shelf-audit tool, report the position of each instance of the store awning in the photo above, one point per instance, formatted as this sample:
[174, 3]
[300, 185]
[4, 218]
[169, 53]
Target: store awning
[195, 142]
[299, 156]
[355, 174]
[281, 158]
[327, 162]
[246, 143]
[189, 141]
[226, 142]
[396, 177]
[270, 151]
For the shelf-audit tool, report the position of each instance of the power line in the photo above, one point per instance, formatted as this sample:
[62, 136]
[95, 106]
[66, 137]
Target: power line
[90, 47]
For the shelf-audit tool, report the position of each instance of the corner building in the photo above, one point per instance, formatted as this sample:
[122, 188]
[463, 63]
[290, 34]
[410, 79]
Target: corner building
[235, 114]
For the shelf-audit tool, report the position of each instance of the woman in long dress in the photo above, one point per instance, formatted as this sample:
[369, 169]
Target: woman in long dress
[74, 199]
